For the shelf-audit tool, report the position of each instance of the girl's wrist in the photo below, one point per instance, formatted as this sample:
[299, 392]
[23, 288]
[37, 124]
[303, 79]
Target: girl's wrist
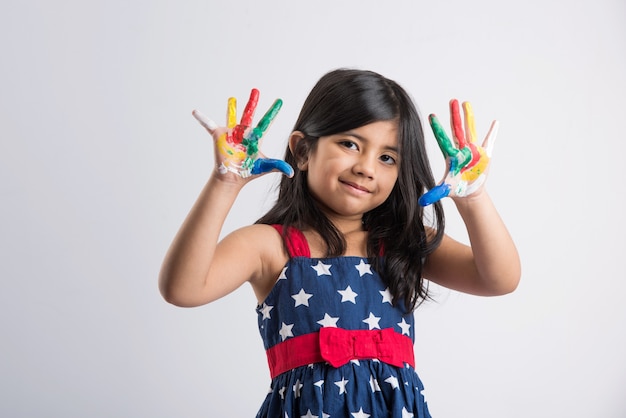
[477, 198]
[225, 182]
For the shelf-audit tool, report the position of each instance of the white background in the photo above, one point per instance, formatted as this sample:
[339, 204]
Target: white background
[100, 161]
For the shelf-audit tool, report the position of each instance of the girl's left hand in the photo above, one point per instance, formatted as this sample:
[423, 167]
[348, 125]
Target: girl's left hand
[466, 162]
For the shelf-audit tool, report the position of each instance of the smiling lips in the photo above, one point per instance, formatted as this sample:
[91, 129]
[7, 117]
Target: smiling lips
[355, 186]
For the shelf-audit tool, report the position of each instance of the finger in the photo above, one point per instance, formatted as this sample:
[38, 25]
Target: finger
[470, 125]
[248, 113]
[246, 118]
[435, 194]
[456, 124]
[231, 113]
[470, 135]
[490, 139]
[208, 124]
[445, 144]
[459, 158]
[265, 165]
[266, 121]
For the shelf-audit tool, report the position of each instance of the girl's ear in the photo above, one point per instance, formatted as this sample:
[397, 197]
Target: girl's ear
[300, 149]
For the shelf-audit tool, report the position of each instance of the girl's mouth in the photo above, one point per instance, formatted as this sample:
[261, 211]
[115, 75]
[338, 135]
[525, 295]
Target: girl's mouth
[356, 186]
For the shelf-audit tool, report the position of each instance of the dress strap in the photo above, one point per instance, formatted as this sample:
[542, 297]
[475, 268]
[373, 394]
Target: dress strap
[295, 240]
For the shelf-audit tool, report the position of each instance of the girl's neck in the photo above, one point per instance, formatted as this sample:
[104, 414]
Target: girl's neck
[347, 226]
[352, 232]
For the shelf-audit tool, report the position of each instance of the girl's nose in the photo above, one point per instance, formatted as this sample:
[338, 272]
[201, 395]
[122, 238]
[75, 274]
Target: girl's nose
[364, 166]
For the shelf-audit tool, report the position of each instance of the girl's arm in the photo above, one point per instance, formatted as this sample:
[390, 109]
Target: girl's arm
[198, 270]
[490, 266]
[184, 275]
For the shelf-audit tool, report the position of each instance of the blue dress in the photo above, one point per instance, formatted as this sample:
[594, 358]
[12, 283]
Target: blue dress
[342, 292]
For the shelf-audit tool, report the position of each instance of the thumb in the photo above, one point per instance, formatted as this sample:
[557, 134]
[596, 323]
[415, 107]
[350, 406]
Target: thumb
[265, 165]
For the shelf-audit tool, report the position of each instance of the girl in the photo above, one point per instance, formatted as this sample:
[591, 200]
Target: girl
[339, 263]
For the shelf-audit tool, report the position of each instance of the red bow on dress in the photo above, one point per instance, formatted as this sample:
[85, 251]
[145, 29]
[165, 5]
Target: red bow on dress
[338, 346]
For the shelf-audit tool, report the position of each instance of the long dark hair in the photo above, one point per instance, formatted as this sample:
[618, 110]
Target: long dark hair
[346, 99]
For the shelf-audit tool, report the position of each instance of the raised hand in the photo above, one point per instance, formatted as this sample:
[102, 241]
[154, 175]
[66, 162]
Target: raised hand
[237, 145]
[466, 161]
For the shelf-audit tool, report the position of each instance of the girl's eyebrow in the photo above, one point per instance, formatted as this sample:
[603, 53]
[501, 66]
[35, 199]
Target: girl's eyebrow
[363, 139]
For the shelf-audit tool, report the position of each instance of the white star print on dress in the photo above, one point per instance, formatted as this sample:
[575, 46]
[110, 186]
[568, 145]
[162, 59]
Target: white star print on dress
[386, 295]
[372, 321]
[360, 414]
[322, 269]
[302, 298]
[348, 295]
[405, 327]
[265, 310]
[363, 268]
[374, 384]
[328, 321]
[393, 381]
[342, 385]
[296, 388]
[405, 413]
[285, 331]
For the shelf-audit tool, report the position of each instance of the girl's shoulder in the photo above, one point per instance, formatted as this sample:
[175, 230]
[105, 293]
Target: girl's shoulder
[262, 246]
[258, 236]
[265, 240]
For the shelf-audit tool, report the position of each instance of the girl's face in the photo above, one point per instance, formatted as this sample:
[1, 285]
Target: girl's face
[353, 172]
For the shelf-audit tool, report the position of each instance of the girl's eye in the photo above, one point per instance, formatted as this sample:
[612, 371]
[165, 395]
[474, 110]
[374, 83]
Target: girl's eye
[387, 159]
[349, 144]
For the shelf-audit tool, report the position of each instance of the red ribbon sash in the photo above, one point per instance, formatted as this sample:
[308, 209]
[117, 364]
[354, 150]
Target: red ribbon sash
[338, 346]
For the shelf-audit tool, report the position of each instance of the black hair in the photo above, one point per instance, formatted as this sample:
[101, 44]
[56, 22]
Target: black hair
[346, 99]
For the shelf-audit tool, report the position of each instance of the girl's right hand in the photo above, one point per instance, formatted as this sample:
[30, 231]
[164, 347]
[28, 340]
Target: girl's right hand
[237, 153]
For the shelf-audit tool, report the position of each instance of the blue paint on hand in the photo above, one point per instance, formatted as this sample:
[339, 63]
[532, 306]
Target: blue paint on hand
[434, 194]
